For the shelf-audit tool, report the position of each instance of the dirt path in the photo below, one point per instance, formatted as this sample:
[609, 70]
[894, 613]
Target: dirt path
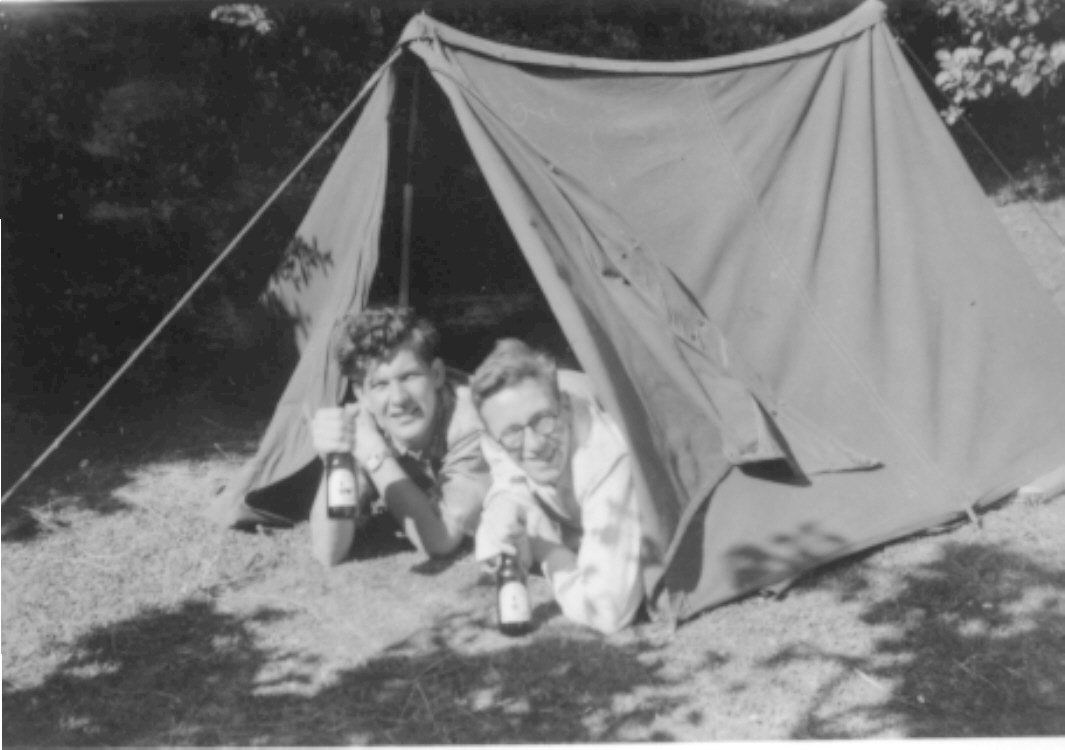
[129, 619]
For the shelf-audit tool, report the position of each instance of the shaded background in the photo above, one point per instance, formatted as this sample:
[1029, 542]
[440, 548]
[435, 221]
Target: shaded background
[137, 138]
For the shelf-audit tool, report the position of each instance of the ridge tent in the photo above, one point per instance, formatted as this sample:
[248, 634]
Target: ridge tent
[776, 268]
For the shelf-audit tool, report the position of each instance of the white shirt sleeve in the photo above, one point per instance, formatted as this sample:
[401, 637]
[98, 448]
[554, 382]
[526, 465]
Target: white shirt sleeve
[601, 585]
[506, 505]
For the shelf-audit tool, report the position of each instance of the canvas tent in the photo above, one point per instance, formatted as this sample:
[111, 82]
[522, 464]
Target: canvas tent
[776, 268]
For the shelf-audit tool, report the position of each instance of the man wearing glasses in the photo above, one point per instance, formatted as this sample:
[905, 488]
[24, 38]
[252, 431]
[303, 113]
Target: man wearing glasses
[562, 495]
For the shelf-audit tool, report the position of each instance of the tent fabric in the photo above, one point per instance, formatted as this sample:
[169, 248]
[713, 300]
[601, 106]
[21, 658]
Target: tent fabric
[777, 270]
[329, 266]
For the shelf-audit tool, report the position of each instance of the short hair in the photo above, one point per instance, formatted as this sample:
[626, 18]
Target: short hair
[509, 363]
[376, 333]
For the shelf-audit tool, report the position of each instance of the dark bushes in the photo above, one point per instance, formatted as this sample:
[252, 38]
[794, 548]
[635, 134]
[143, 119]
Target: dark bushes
[137, 139]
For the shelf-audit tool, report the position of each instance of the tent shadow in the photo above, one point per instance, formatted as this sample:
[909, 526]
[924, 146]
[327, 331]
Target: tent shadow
[543, 613]
[975, 647]
[44, 511]
[783, 560]
[196, 675]
[437, 565]
[205, 423]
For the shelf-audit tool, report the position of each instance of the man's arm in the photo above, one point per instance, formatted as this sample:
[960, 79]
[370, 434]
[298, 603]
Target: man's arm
[435, 530]
[414, 510]
[330, 537]
[600, 585]
[506, 507]
[502, 529]
[331, 432]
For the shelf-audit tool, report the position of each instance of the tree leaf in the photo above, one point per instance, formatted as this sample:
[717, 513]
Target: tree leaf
[1025, 83]
[1000, 55]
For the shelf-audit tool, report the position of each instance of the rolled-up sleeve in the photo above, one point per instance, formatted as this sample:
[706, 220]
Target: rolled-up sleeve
[601, 585]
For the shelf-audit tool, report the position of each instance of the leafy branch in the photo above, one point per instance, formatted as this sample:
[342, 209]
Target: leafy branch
[1006, 49]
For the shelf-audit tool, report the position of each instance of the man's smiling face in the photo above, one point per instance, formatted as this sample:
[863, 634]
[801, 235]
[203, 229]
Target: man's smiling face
[401, 392]
[528, 420]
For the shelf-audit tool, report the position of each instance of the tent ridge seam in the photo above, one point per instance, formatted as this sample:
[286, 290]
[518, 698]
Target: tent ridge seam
[858, 21]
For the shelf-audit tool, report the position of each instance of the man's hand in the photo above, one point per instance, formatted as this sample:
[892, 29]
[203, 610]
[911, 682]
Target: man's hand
[332, 430]
[369, 442]
[502, 529]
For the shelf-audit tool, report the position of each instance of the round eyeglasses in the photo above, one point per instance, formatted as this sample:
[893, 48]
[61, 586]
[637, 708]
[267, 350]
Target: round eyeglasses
[544, 425]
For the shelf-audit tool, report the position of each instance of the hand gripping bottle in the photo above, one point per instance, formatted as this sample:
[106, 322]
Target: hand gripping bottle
[512, 597]
[341, 485]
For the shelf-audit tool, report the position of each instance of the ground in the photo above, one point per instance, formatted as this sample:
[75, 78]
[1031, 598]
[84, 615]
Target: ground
[128, 619]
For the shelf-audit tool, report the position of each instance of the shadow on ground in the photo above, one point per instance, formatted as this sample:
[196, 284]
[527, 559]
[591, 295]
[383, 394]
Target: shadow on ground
[116, 442]
[781, 558]
[975, 647]
[198, 676]
[197, 417]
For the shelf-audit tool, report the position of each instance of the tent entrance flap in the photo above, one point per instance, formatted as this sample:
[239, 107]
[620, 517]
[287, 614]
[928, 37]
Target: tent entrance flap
[808, 202]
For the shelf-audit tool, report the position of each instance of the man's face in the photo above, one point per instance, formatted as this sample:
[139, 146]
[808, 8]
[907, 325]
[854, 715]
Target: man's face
[401, 394]
[528, 421]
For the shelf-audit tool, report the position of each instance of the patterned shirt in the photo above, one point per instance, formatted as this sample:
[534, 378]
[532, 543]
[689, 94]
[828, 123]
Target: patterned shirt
[451, 470]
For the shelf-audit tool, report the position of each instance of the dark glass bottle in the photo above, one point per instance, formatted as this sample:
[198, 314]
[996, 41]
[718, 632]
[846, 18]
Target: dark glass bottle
[341, 485]
[512, 598]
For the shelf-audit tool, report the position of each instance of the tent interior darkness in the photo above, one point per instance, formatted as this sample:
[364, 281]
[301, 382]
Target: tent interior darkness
[468, 274]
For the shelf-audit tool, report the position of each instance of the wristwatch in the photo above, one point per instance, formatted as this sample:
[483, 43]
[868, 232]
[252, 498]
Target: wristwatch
[375, 461]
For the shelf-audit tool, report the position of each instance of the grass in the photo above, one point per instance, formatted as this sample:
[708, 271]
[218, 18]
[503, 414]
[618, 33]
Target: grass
[129, 620]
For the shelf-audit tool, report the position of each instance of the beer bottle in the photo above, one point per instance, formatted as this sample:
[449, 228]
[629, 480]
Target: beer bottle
[341, 485]
[512, 597]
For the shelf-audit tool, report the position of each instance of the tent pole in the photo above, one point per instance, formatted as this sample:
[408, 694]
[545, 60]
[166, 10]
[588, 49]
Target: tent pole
[408, 195]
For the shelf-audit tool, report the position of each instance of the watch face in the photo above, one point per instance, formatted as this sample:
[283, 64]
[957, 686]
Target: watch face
[375, 462]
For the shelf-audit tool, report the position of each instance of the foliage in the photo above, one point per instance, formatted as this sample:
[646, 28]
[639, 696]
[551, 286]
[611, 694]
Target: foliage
[1003, 49]
[244, 16]
[154, 135]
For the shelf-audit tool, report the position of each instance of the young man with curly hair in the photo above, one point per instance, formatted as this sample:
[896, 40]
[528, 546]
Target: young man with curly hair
[413, 431]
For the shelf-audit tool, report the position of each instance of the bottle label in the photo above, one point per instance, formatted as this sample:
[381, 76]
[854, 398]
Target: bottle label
[514, 603]
[341, 488]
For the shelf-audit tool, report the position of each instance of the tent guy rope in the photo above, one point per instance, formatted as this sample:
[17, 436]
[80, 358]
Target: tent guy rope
[979, 139]
[222, 256]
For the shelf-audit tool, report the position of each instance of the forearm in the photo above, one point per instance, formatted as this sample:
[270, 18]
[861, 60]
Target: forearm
[600, 590]
[330, 537]
[414, 510]
[600, 584]
[502, 527]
